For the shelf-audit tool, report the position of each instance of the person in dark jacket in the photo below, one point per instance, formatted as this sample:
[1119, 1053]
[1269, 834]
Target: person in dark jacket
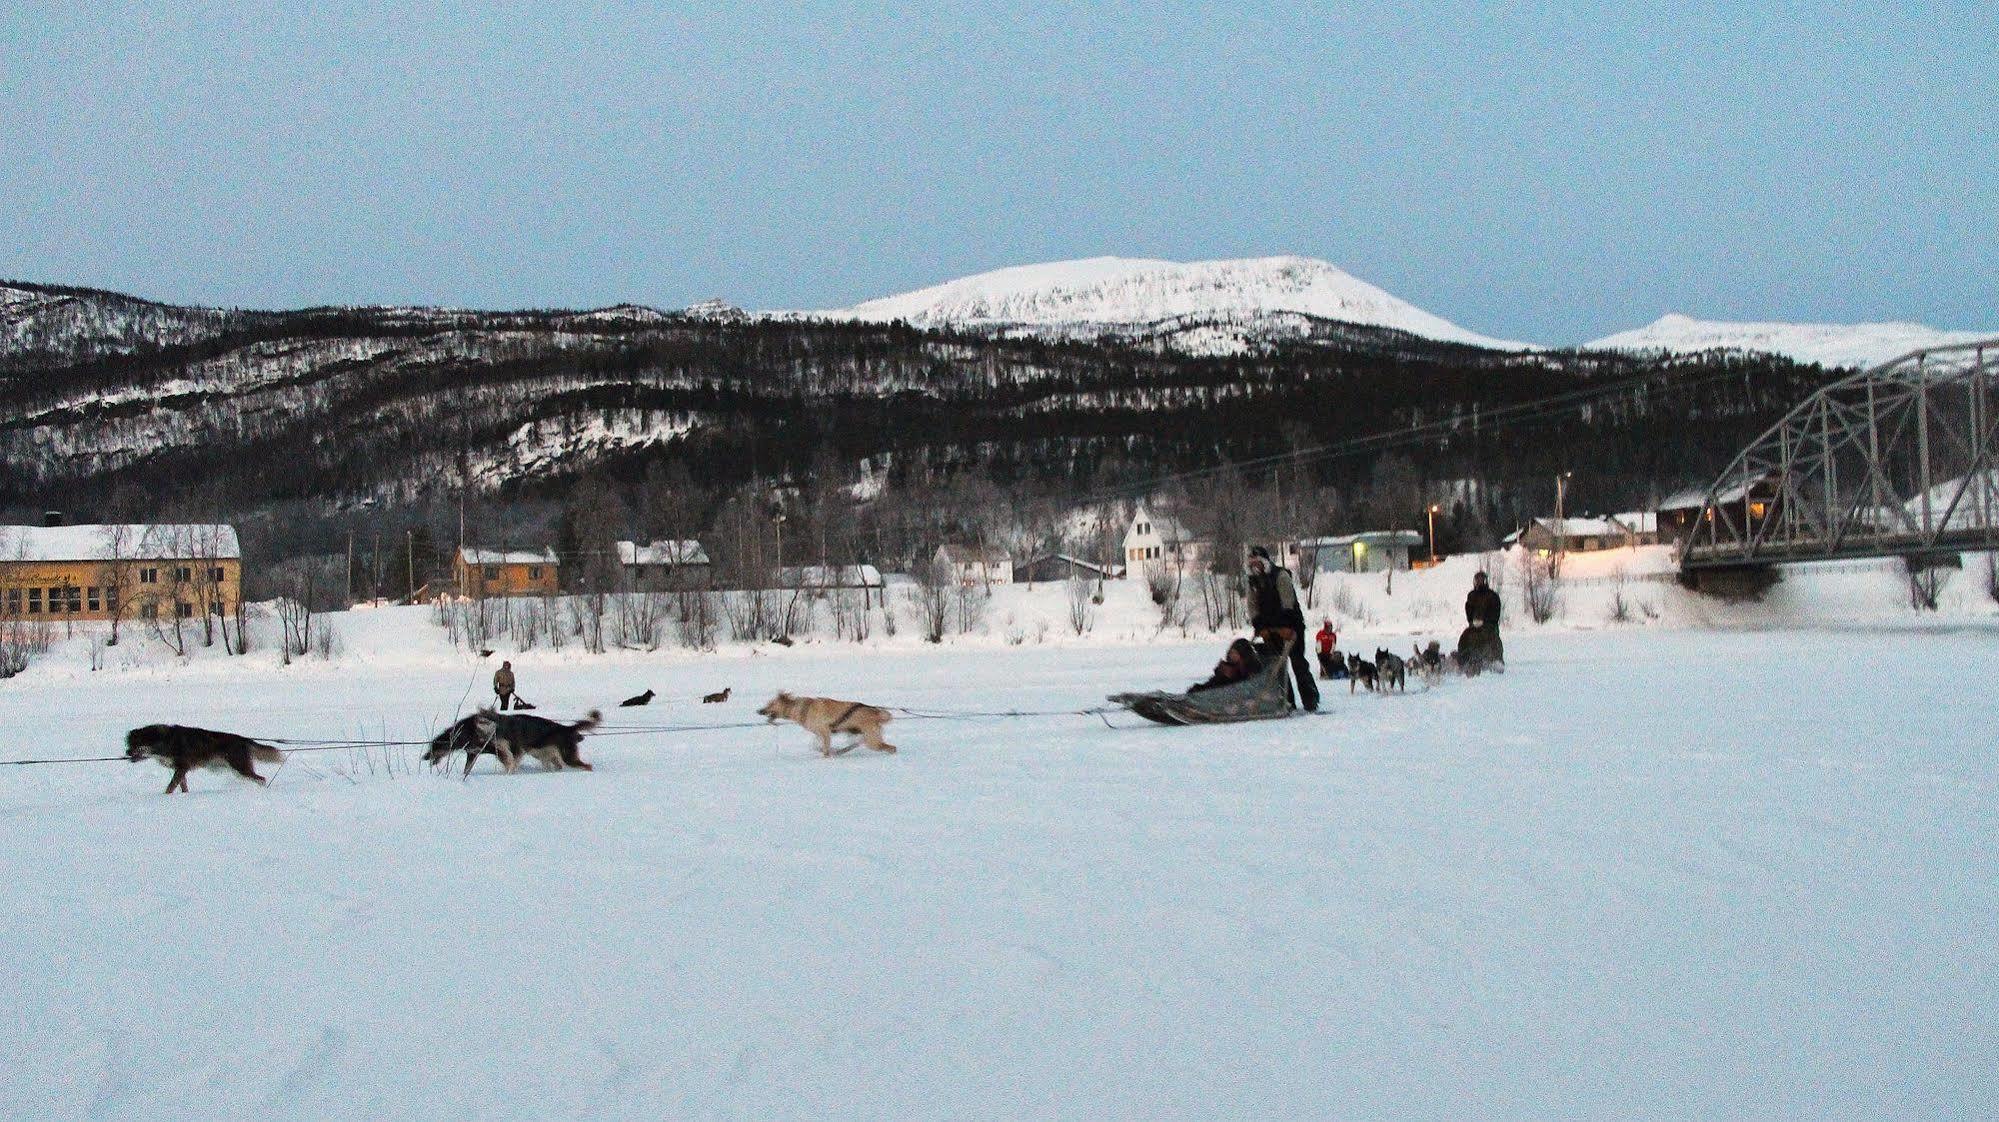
[1275, 616]
[503, 684]
[1239, 664]
[1479, 647]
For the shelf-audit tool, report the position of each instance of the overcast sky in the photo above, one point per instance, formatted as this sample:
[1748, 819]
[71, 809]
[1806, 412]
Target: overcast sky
[1542, 174]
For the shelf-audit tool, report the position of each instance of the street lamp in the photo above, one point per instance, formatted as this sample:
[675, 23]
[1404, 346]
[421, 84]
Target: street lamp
[1433, 533]
[780, 540]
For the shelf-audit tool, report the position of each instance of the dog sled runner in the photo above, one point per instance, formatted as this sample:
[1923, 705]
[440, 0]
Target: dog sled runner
[1260, 697]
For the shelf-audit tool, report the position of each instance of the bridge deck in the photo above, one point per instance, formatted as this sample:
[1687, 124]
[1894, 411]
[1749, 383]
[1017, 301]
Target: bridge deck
[1732, 555]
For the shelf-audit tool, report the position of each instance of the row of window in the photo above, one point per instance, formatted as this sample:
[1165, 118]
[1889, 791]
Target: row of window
[69, 599]
[493, 572]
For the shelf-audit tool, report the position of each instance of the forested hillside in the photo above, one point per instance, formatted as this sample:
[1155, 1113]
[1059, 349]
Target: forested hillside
[316, 421]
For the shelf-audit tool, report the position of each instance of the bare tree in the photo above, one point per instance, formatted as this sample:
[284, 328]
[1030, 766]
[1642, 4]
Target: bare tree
[1082, 603]
[115, 576]
[931, 596]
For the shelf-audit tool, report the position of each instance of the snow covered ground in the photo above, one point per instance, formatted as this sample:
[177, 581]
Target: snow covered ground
[1649, 871]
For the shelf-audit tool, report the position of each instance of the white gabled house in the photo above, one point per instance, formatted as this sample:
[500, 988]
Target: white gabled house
[971, 564]
[1158, 539]
[665, 564]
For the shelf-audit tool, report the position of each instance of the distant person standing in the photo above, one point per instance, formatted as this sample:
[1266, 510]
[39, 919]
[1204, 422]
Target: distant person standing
[503, 685]
[1479, 647]
[1278, 621]
[1329, 643]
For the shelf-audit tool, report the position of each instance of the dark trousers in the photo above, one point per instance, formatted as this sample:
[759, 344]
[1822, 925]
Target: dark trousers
[506, 697]
[1301, 671]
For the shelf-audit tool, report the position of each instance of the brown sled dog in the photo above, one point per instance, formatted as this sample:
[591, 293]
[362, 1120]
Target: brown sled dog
[183, 749]
[823, 716]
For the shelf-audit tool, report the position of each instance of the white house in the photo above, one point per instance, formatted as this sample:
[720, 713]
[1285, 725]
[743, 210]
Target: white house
[662, 564]
[1160, 539]
[971, 564]
[1373, 551]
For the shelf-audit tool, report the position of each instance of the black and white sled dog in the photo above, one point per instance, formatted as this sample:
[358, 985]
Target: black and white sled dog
[1360, 672]
[511, 736]
[1390, 670]
[183, 749]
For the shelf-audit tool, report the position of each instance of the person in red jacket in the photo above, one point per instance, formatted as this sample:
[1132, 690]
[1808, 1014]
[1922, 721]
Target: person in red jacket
[1330, 666]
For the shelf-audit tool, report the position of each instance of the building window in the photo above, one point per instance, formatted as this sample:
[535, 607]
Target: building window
[149, 610]
[74, 596]
[183, 574]
[183, 609]
[96, 598]
[215, 575]
[13, 601]
[111, 598]
[492, 572]
[534, 572]
[34, 601]
[149, 576]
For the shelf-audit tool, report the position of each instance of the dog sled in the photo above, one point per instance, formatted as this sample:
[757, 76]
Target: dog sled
[1259, 697]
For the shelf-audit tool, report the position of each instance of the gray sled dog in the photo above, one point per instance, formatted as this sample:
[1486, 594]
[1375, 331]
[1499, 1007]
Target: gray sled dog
[511, 736]
[184, 748]
[824, 716]
[1392, 671]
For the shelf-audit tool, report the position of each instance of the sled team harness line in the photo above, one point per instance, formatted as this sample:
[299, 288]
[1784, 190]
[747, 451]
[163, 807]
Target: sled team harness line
[292, 745]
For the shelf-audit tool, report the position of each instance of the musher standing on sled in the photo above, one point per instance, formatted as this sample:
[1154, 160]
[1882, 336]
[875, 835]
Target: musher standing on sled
[1276, 618]
[1479, 647]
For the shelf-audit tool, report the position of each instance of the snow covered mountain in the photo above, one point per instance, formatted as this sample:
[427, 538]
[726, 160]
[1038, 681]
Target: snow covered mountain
[1120, 295]
[1828, 344]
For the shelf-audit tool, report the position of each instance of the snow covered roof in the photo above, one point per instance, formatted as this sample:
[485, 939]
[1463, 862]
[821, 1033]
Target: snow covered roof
[1076, 561]
[829, 576]
[1638, 521]
[687, 552]
[1365, 537]
[959, 554]
[472, 555]
[1582, 527]
[120, 540]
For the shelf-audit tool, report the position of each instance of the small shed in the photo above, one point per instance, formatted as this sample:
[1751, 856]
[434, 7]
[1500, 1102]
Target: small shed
[1058, 567]
[1371, 551]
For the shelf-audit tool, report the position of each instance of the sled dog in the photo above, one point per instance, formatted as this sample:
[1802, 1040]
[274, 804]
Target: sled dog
[633, 702]
[511, 736]
[823, 716]
[1390, 670]
[715, 698]
[1360, 672]
[183, 749]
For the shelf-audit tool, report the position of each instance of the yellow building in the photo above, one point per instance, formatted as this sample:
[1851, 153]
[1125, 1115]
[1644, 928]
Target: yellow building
[506, 572]
[124, 570]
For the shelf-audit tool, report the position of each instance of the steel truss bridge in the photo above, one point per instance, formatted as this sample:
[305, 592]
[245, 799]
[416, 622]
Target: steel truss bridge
[1895, 461]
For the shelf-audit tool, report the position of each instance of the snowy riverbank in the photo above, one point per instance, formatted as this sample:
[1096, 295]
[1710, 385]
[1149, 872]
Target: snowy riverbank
[1649, 870]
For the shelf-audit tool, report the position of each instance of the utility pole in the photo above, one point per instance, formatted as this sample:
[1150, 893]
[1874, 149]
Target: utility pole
[409, 563]
[1561, 519]
[1433, 533]
[350, 568]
